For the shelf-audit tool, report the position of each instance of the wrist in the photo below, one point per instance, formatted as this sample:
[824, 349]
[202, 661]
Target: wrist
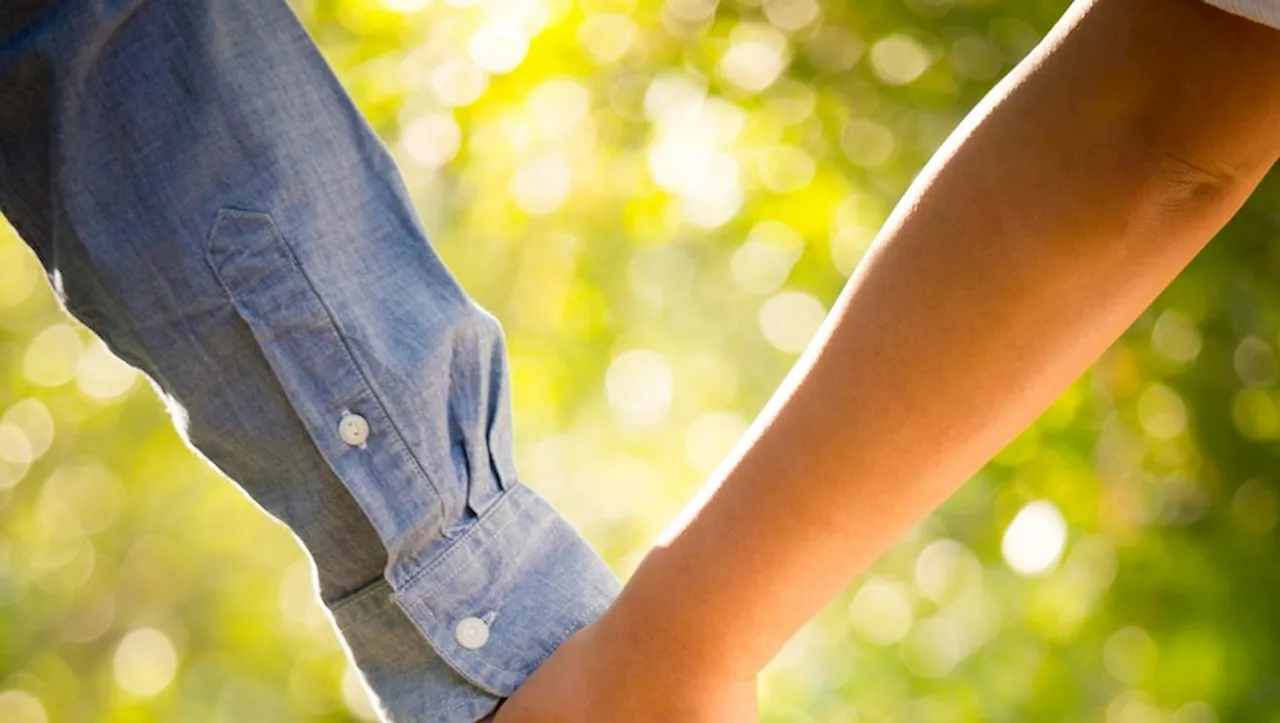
[659, 623]
[649, 674]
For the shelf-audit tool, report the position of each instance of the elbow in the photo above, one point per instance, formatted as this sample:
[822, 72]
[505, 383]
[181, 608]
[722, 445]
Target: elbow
[1184, 182]
[1180, 182]
[1191, 167]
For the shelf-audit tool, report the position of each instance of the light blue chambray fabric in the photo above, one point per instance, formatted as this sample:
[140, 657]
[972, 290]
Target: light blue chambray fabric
[209, 201]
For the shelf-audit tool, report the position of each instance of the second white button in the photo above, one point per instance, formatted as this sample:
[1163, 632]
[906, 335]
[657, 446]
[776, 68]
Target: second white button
[354, 429]
[471, 633]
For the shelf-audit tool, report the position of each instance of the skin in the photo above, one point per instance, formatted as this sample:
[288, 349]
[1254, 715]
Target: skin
[1051, 219]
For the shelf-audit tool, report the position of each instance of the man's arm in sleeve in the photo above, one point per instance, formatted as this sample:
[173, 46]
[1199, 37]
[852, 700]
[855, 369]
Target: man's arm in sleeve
[212, 204]
[1052, 217]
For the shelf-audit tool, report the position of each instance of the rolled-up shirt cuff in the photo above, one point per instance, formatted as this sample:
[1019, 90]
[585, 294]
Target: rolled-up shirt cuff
[508, 591]
[493, 606]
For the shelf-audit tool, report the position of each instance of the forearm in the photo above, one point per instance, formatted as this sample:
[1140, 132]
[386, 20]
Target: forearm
[1050, 221]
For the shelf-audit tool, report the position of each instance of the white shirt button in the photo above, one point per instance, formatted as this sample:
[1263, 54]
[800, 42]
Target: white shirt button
[471, 633]
[354, 429]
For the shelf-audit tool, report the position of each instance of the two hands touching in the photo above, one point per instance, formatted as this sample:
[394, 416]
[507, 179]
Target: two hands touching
[594, 677]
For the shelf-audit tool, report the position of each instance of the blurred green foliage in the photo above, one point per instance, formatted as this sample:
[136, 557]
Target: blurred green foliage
[659, 201]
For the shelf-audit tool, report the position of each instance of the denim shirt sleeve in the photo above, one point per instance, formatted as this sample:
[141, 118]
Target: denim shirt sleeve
[210, 202]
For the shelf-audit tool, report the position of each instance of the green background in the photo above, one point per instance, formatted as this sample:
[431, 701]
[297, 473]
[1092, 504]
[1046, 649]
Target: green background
[659, 201]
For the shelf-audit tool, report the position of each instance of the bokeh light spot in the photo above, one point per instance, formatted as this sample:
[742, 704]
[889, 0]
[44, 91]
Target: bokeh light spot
[15, 447]
[498, 48]
[882, 611]
[560, 105]
[459, 81]
[755, 58]
[90, 491]
[145, 662]
[763, 262]
[789, 319]
[899, 59]
[1134, 706]
[1034, 541]
[933, 648]
[792, 102]
[531, 16]
[946, 570]
[1162, 412]
[1255, 362]
[432, 140]
[791, 15]
[607, 36]
[11, 473]
[834, 49]
[692, 11]
[673, 93]
[1174, 335]
[1255, 414]
[639, 383]
[103, 376]
[866, 143]
[1130, 655]
[53, 356]
[718, 198]
[19, 706]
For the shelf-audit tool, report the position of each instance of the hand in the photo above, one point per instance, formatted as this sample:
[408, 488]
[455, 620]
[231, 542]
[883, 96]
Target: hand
[595, 678]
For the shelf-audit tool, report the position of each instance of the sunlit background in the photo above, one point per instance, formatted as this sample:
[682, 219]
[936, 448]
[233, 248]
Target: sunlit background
[660, 201]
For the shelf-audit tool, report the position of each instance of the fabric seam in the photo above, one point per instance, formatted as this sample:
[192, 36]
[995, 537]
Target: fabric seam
[374, 393]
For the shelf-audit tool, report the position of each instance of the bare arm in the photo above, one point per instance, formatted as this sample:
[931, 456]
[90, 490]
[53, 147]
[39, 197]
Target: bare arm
[1078, 189]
